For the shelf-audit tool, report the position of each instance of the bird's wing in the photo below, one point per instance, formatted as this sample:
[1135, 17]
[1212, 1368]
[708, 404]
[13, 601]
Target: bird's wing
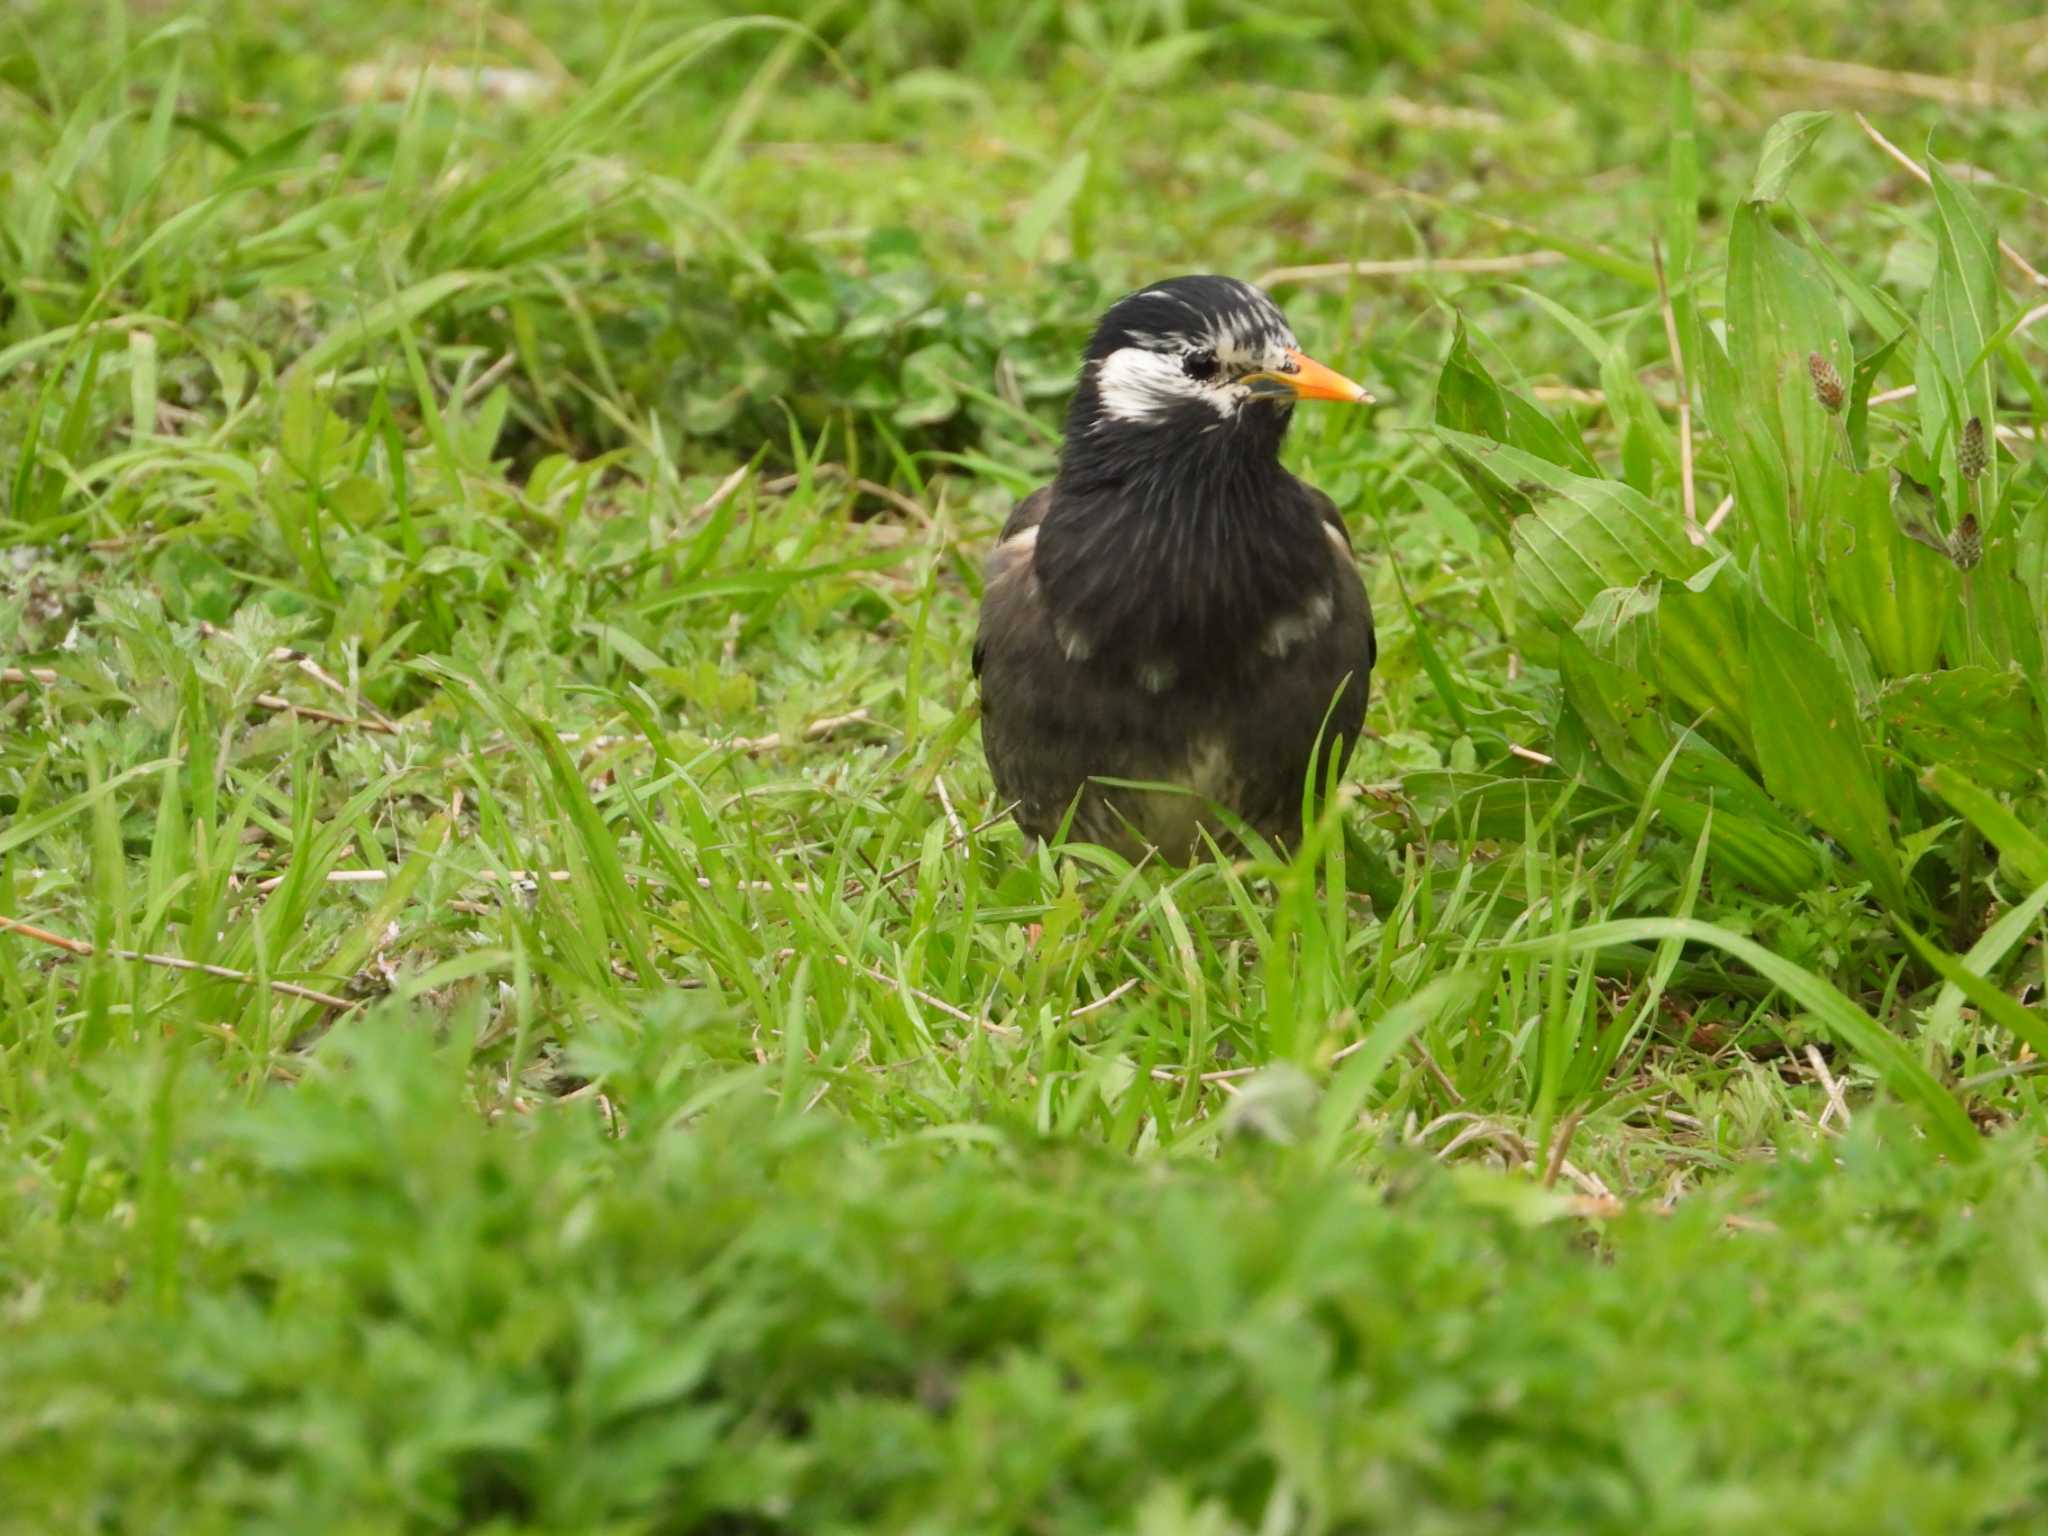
[1012, 549]
[1030, 512]
[1332, 518]
[1333, 523]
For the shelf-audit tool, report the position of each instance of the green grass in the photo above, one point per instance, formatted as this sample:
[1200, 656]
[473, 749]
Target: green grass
[1621, 1116]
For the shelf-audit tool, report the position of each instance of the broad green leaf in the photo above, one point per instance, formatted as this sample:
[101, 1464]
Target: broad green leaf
[1752, 841]
[2022, 846]
[1781, 315]
[1760, 855]
[1979, 722]
[1703, 649]
[2004, 616]
[1620, 624]
[1484, 806]
[1860, 387]
[1898, 593]
[1682, 159]
[1469, 400]
[1581, 535]
[1785, 145]
[929, 382]
[1957, 324]
[1810, 747]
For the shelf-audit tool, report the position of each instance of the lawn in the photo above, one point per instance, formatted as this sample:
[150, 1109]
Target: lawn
[521, 1009]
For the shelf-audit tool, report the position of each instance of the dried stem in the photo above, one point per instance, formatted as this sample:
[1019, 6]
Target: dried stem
[285, 706]
[1919, 171]
[48, 678]
[782, 485]
[85, 951]
[1420, 266]
[1867, 78]
[817, 730]
[1687, 489]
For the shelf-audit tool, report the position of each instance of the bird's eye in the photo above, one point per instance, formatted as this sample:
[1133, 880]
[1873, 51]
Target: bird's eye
[1200, 365]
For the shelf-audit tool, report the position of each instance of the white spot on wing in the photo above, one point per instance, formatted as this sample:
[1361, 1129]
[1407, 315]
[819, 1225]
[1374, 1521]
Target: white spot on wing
[1292, 629]
[1157, 676]
[1078, 646]
[1209, 773]
[1173, 819]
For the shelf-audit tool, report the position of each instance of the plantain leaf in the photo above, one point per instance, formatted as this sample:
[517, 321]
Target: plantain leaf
[2021, 846]
[2005, 618]
[1978, 721]
[1781, 316]
[1810, 747]
[1957, 323]
[1580, 535]
[1860, 387]
[1899, 594]
[1621, 712]
[1785, 145]
[1468, 400]
[1703, 649]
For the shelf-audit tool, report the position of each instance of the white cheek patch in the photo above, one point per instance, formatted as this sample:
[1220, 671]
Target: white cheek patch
[1138, 384]
[1147, 379]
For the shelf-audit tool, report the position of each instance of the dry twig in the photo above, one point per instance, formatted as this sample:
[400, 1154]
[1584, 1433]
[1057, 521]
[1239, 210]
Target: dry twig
[1420, 266]
[85, 951]
[1846, 76]
[817, 730]
[782, 485]
[1837, 1105]
[1561, 1143]
[281, 705]
[721, 493]
[1686, 487]
[1920, 173]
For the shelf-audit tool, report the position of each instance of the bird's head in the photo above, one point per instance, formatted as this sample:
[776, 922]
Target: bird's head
[1172, 525]
[1191, 359]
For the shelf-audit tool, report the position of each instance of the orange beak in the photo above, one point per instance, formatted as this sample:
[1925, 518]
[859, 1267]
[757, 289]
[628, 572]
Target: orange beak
[1308, 379]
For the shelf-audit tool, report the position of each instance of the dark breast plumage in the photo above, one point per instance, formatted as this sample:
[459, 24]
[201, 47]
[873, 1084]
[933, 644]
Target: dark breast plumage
[1233, 723]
